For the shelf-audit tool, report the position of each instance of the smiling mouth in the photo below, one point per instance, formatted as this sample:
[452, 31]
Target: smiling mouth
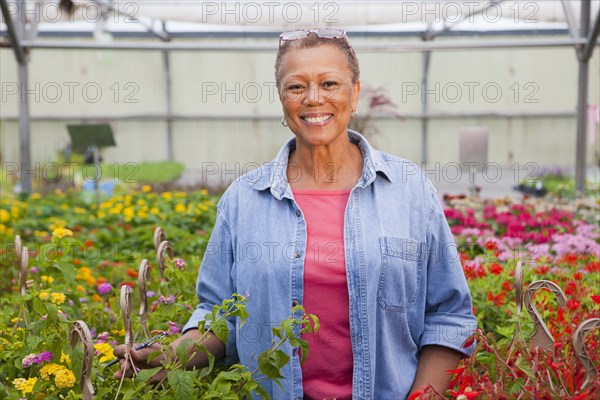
[319, 119]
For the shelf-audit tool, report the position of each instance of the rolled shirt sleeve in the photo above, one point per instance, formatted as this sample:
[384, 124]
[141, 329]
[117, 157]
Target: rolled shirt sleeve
[449, 319]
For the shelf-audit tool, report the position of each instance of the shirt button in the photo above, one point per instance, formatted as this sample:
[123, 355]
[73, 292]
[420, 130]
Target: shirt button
[294, 303]
[297, 213]
[297, 254]
[295, 352]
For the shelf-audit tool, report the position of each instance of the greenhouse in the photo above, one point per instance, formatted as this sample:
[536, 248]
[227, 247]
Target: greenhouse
[141, 142]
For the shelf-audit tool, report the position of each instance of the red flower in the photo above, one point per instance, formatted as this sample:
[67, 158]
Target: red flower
[596, 298]
[496, 269]
[573, 304]
[507, 286]
[415, 395]
[466, 344]
[542, 270]
[130, 284]
[491, 245]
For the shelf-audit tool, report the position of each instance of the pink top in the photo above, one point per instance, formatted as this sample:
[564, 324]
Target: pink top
[327, 371]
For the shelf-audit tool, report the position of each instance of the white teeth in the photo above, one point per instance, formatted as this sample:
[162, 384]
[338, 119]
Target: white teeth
[318, 119]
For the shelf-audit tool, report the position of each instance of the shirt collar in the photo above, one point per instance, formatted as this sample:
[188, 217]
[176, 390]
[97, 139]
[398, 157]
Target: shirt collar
[275, 175]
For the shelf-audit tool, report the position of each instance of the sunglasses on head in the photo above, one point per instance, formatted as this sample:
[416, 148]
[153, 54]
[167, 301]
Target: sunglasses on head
[326, 33]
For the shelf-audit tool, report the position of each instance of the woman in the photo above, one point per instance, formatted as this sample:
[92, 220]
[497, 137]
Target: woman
[354, 235]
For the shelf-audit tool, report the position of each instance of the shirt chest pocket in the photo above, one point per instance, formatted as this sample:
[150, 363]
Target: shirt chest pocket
[401, 273]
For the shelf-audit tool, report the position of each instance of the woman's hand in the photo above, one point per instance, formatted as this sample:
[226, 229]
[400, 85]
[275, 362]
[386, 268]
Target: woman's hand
[196, 359]
[139, 360]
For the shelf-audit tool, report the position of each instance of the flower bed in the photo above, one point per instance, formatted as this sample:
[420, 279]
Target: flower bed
[80, 256]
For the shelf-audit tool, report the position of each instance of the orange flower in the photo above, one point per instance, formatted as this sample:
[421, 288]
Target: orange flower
[132, 273]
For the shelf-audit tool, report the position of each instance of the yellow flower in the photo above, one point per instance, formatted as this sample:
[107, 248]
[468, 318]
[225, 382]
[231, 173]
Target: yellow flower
[167, 195]
[58, 223]
[4, 217]
[35, 196]
[146, 188]
[142, 214]
[180, 208]
[44, 295]
[64, 378]
[129, 213]
[50, 369]
[62, 232]
[101, 214]
[58, 298]
[48, 279]
[154, 210]
[64, 358]
[105, 350]
[204, 192]
[24, 385]
[118, 332]
[80, 288]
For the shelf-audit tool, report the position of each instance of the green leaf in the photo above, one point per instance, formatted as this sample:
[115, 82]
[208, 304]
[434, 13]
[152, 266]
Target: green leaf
[303, 350]
[146, 374]
[280, 359]
[181, 383]
[506, 331]
[267, 366]
[220, 329]
[516, 386]
[315, 321]
[262, 392]
[182, 352]
[210, 356]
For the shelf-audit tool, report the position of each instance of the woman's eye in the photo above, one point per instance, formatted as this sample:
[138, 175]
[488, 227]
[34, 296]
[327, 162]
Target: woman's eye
[330, 84]
[294, 87]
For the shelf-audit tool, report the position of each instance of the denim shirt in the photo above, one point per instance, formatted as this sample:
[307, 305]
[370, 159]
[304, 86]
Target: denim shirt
[405, 282]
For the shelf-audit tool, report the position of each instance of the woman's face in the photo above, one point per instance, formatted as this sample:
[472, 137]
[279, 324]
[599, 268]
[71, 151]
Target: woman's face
[317, 94]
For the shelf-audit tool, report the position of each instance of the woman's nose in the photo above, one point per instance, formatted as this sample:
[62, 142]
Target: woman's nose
[313, 95]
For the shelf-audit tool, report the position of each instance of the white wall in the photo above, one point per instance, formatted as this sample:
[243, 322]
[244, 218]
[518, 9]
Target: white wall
[241, 125]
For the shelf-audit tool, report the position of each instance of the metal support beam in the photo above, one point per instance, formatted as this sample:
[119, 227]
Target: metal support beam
[425, 107]
[592, 38]
[12, 34]
[169, 95]
[584, 66]
[24, 123]
[570, 17]
[222, 46]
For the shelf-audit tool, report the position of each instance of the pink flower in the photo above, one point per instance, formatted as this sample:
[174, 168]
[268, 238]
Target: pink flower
[29, 360]
[104, 288]
[44, 356]
[180, 263]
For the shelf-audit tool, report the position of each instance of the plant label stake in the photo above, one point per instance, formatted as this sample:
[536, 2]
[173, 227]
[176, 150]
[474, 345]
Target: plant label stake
[126, 306]
[580, 350]
[18, 248]
[23, 270]
[159, 237]
[143, 277]
[541, 335]
[80, 331]
[164, 247]
[519, 301]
